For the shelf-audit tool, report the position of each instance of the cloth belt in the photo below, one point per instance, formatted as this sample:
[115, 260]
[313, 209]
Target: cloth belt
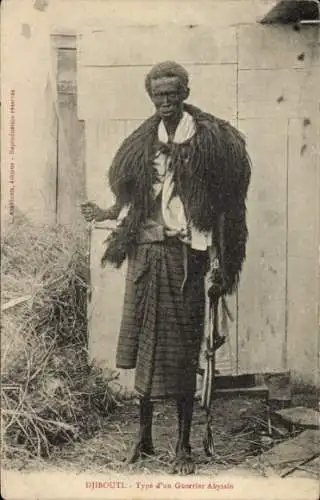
[153, 232]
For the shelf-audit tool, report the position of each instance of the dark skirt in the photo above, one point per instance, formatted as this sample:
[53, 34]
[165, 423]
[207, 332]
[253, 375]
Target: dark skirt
[163, 318]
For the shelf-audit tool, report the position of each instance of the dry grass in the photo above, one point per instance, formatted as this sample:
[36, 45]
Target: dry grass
[50, 395]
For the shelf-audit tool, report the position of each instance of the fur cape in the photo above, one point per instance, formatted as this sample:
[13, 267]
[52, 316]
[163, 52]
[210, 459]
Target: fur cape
[211, 175]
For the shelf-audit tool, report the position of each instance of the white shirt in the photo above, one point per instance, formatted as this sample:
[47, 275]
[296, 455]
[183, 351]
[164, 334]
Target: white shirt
[172, 208]
[173, 212]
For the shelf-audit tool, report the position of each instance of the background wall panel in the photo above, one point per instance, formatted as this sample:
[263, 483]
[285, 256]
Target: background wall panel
[262, 299]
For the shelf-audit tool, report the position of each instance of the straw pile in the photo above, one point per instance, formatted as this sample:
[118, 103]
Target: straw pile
[50, 395]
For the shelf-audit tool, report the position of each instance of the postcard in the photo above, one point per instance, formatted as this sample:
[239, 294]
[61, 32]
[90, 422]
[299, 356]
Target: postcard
[160, 249]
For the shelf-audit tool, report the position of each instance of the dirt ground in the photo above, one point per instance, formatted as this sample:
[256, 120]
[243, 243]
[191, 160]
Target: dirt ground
[239, 428]
[232, 444]
[237, 436]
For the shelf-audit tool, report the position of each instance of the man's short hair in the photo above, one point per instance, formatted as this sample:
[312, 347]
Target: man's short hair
[167, 69]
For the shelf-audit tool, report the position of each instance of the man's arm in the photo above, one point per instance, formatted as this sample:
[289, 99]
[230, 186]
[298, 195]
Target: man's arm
[112, 212]
[91, 211]
[217, 283]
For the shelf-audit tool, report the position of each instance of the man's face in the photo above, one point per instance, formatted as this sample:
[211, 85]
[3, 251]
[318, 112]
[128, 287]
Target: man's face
[167, 94]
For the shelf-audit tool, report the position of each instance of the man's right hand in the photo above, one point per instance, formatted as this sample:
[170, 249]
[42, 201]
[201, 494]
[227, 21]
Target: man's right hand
[91, 211]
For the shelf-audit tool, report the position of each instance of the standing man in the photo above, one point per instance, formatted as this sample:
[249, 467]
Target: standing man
[180, 182]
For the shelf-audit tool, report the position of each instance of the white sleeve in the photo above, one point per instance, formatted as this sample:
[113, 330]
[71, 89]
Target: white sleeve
[123, 214]
[200, 240]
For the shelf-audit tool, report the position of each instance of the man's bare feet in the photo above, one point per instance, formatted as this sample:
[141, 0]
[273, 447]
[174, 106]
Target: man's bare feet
[143, 446]
[141, 449]
[183, 463]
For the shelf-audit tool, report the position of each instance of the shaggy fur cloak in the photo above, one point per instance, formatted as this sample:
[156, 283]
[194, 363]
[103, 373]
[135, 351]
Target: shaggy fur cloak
[211, 175]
